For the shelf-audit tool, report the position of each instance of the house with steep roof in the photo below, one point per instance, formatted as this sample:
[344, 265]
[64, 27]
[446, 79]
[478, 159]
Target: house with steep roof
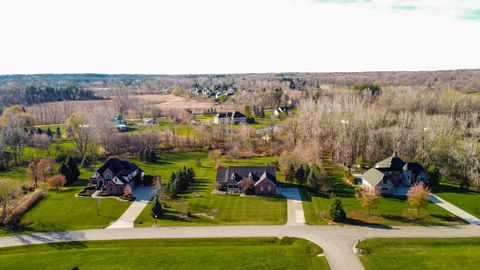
[259, 180]
[115, 175]
[230, 118]
[394, 176]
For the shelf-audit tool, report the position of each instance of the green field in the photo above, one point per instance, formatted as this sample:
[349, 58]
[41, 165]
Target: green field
[390, 211]
[466, 200]
[207, 208]
[226, 253]
[421, 253]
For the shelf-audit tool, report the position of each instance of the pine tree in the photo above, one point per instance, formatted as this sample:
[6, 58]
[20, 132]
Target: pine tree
[157, 210]
[65, 171]
[336, 211]
[73, 166]
[49, 133]
[313, 181]
[300, 174]
[39, 131]
[58, 133]
[290, 175]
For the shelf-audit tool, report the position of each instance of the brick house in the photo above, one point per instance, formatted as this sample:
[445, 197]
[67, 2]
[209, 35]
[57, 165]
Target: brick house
[115, 175]
[259, 180]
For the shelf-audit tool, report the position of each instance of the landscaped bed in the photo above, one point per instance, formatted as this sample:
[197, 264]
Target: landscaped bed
[225, 253]
[421, 253]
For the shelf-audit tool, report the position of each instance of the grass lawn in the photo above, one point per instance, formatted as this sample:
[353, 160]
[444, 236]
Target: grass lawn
[421, 253]
[390, 211]
[207, 208]
[466, 200]
[226, 253]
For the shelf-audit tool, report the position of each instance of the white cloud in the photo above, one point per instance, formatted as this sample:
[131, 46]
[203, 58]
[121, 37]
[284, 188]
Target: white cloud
[214, 36]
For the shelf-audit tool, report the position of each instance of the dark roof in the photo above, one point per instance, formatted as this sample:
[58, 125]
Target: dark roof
[234, 114]
[117, 165]
[393, 163]
[373, 176]
[245, 172]
[414, 167]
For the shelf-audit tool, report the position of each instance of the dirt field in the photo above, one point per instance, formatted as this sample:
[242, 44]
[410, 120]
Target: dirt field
[58, 112]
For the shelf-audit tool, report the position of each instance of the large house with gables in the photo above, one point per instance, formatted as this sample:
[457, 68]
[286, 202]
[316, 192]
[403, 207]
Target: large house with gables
[394, 176]
[115, 175]
[259, 180]
[230, 118]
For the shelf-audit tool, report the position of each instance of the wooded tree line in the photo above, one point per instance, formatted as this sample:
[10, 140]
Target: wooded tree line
[433, 127]
[35, 94]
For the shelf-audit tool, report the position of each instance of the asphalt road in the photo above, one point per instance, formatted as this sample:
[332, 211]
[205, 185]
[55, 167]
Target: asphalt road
[336, 241]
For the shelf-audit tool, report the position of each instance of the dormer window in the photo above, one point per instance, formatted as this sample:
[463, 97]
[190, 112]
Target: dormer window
[233, 176]
[250, 176]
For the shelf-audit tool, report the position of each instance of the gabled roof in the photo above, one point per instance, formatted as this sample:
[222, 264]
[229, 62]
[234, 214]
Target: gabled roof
[234, 114]
[117, 166]
[393, 163]
[373, 177]
[414, 167]
[245, 172]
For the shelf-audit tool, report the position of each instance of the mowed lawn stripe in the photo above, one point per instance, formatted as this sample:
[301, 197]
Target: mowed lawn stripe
[227, 253]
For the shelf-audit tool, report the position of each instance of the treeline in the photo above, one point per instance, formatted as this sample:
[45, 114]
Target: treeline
[35, 94]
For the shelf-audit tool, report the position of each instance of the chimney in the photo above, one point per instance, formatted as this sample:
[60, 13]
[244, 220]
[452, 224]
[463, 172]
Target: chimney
[395, 154]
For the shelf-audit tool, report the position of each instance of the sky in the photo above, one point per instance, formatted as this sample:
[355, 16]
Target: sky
[237, 36]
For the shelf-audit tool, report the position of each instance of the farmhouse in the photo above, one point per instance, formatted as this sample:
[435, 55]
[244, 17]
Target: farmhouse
[247, 179]
[115, 175]
[394, 176]
[230, 118]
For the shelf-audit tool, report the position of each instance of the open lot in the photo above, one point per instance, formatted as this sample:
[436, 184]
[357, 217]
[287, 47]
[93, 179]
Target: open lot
[390, 211]
[421, 253]
[226, 253]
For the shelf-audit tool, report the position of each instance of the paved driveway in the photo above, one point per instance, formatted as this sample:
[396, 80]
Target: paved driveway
[454, 210]
[142, 197]
[296, 215]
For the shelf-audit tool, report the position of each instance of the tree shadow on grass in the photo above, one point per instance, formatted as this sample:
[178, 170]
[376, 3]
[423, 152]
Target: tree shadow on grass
[358, 222]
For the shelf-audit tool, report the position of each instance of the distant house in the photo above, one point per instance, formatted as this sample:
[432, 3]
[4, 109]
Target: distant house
[149, 121]
[394, 176]
[115, 175]
[119, 123]
[257, 180]
[230, 118]
[280, 111]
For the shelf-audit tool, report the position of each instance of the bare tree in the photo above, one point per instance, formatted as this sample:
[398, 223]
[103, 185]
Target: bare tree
[82, 135]
[140, 107]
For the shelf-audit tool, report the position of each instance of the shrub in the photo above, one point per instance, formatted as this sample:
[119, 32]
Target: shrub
[56, 181]
[25, 203]
[434, 173]
[336, 211]
[147, 180]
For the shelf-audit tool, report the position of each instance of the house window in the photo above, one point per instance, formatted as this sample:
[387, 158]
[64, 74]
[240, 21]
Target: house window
[261, 188]
[385, 188]
[385, 181]
[108, 176]
[269, 188]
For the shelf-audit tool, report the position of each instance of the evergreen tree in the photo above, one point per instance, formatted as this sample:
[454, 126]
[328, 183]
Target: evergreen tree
[434, 173]
[313, 181]
[65, 171]
[58, 133]
[336, 211]
[300, 174]
[49, 133]
[73, 166]
[39, 131]
[157, 210]
[290, 175]
[152, 156]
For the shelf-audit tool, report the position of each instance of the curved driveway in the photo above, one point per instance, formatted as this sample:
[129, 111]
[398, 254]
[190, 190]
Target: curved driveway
[336, 241]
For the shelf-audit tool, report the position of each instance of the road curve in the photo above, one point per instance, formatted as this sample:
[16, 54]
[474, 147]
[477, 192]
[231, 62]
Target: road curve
[336, 241]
